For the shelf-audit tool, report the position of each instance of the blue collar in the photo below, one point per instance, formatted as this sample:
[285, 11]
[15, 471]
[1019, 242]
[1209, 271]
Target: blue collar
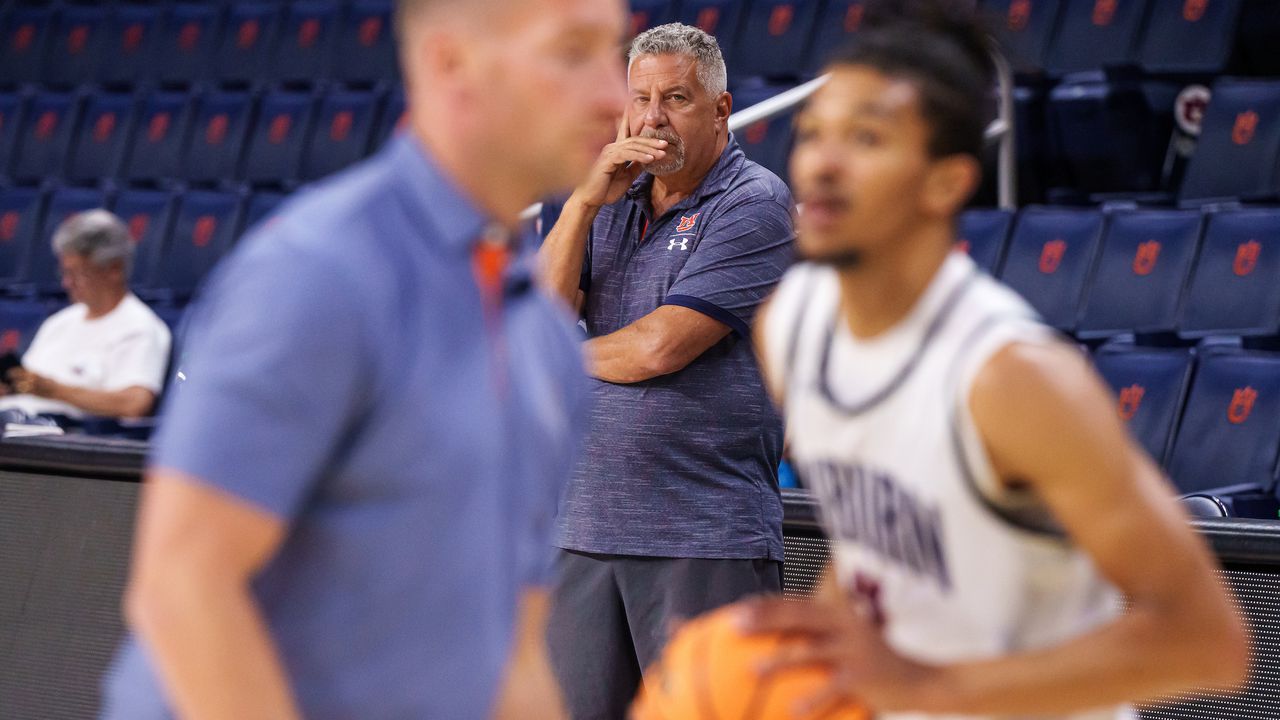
[444, 214]
[717, 180]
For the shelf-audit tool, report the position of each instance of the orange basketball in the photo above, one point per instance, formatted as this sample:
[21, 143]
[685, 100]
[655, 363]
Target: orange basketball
[709, 670]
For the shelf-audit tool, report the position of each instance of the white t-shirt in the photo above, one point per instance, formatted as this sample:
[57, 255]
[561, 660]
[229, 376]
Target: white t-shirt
[127, 347]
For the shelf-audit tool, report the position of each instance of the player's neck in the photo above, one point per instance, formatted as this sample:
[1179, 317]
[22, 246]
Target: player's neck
[493, 190]
[883, 288]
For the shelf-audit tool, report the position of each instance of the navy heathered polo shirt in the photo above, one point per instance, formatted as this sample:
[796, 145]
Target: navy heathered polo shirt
[685, 465]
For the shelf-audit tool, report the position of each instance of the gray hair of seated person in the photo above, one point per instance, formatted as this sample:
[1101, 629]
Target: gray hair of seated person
[98, 235]
[681, 39]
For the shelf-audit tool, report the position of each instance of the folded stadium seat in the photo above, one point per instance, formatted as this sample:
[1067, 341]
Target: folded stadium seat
[837, 22]
[148, 214]
[221, 122]
[80, 37]
[303, 52]
[159, 135]
[392, 118]
[1106, 136]
[983, 234]
[248, 36]
[21, 213]
[24, 33]
[716, 17]
[766, 141]
[274, 149]
[1200, 506]
[646, 14]
[1094, 34]
[186, 42]
[1189, 38]
[129, 53]
[19, 321]
[340, 135]
[40, 272]
[41, 150]
[1230, 431]
[1239, 146]
[1050, 258]
[364, 46]
[259, 207]
[1234, 288]
[1151, 387]
[1143, 267]
[204, 228]
[11, 106]
[777, 32]
[98, 147]
[1025, 30]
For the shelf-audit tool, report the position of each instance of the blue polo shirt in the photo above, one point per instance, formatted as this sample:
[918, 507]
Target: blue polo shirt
[341, 375]
[685, 465]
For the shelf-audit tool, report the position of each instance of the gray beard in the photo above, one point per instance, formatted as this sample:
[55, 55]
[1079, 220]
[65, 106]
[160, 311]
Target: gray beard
[673, 162]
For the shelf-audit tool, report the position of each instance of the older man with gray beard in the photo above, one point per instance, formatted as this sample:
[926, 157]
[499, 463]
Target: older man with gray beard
[666, 249]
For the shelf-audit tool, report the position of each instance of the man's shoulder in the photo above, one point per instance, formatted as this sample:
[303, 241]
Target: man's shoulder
[756, 183]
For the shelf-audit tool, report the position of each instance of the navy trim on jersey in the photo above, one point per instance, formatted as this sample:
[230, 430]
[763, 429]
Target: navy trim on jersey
[711, 310]
[934, 327]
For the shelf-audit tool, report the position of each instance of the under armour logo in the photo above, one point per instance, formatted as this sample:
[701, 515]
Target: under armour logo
[682, 242]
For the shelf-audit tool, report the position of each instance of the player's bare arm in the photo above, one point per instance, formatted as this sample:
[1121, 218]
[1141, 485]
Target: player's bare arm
[131, 402]
[660, 343]
[1047, 421]
[530, 688]
[188, 598]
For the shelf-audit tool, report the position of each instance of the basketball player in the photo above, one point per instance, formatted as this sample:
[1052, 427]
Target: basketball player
[986, 507]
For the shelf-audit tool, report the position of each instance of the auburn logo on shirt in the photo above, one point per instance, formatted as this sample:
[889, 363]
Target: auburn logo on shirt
[1051, 256]
[1144, 261]
[1130, 401]
[1241, 406]
[1246, 258]
[687, 222]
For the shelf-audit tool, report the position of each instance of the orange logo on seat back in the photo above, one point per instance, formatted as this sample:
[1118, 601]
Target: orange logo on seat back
[23, 37]
[1193, 10]
[189, 36]
[46, 125]
[9, 225]
[757, 131]
[1104, 11]
[1019, 15]
[247, 37]
[370, 30]
[138, 227]
[1246, 258]
[853, 18]
[131, 40]
[216, 132]
[1242, 401]
[340, 128]
[9, 340]
[687, 222]
[308, 33]
[158, 128]
[203, 232]
[639, 19]
[1246, 124]
[77, 38]
[104, 127]
[780, 19]
[1130, 401]
[708, 18]
[1144, 261]
[280, 126]
[1051, 256]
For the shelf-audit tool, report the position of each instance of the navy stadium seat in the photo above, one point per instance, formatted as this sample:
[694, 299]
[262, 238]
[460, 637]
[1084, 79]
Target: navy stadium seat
[777, 33]
[1151, 387]
[1239, 147]
[1233, 289]
[1189, 37]
[646, 14]
[76, 48]
[129, 53]
[148, 215]
[306, 41]
[217, 136]
[1049, 259]
[186, 43]
[19, 321]
[40, 274]
[1230, 430]
[21, 213]
[99, 146]
[1025, 30]
[23, 36]
[1097, 34]
[766, 141]
[837, 22]
[11, 105]
[274, 150]
[983, 234]
[1107, 138]
[204, 228]
[716, 17]
[159, 134]
[393, 114]
[364, 49]
[247, 41]
[1143, 267]
[259, 207]
[340, 135]
[41, 151]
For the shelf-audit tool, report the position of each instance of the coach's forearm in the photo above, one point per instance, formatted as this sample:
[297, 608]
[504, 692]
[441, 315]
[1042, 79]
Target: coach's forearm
[562, 252]
[210, 644]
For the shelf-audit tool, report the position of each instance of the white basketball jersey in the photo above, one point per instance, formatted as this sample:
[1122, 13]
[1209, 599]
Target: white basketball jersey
[960, 566]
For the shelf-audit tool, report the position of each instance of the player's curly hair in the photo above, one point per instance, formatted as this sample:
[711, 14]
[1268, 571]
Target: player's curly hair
[944, 49]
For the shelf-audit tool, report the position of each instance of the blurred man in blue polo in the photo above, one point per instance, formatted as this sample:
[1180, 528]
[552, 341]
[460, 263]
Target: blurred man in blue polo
[667, 247]
[349, 507]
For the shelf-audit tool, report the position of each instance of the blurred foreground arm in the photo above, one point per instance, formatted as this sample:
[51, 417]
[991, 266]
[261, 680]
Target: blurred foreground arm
[530, 689]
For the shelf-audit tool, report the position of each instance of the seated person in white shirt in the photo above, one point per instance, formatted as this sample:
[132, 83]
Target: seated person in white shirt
[107, 353]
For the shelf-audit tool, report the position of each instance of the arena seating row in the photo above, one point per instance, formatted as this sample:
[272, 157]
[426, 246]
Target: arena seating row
[279, 137]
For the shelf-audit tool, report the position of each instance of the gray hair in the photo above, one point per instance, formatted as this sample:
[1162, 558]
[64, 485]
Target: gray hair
[96, 234]
[681, 39]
